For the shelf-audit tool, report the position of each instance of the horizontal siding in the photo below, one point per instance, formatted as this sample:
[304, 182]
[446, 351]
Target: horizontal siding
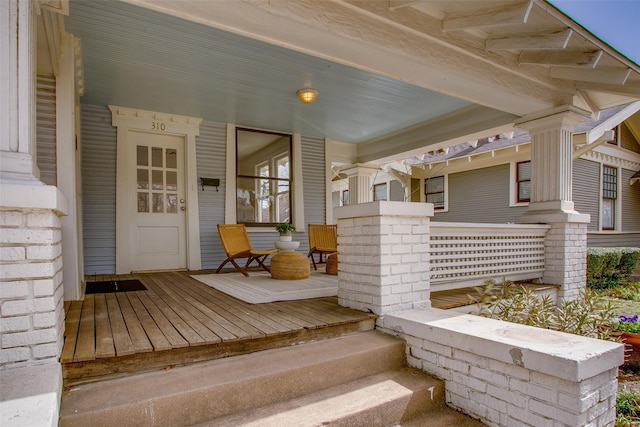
[613, 240]
[46, 128]
[211, 158]
[627, 140]
[99, 190]
[586, 190]
[480, 195]
[630, 195]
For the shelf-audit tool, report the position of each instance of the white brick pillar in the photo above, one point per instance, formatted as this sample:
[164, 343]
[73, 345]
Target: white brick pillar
[551, 198]
[360, 183]
[383, 256]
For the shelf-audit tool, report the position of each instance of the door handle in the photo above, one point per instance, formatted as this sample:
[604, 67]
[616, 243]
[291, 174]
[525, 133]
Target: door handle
[182, 208]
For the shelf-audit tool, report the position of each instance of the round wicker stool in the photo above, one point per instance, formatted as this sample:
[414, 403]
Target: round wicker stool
[332, 264]
[289, 265]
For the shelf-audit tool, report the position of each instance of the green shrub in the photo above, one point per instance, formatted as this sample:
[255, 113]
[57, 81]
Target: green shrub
[608, 267]
[627, 408]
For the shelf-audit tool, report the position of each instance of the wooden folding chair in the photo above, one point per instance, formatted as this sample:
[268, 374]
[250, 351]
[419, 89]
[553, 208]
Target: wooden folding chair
[236, 243]
[323, 240]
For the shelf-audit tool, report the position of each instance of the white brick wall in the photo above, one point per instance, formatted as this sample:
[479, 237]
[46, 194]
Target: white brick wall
[383, 253]
[512, 375]
[566, 258]
[31, 291]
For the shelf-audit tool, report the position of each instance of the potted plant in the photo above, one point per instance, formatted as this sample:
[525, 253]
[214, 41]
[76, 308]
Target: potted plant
[285, 229]
[629, 329]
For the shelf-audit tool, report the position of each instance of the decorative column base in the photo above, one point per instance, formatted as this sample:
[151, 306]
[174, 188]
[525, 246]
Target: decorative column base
[383, 252]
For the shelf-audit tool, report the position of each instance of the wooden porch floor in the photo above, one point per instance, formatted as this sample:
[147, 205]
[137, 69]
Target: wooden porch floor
[179, 320]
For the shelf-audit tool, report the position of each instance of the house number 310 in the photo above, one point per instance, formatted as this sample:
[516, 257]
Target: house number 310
[157, 125]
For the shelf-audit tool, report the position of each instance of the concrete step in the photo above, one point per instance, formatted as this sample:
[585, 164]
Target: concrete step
[384, 399]
[203, 391]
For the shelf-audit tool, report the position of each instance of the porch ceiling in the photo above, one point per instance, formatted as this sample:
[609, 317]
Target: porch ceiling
[394, 76]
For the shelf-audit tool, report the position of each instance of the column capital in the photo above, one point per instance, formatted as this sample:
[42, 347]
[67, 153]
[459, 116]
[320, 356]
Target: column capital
[563, 117]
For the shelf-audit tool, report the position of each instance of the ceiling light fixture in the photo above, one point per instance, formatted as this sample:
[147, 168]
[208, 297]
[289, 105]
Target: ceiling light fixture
[307, 95]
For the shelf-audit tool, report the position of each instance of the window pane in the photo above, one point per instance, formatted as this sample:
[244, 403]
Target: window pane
[524, 191]
[172, 181]
[143, 202]
[435, 185]
[345, 198]
[172, 203]
[524, 171]
[606, 216]
[156, 179]
[143, 155]
[283, 167]
[379, 192]
[436, 198]
[156, 157]
[143, 178]
[158, 202]
[172, 158]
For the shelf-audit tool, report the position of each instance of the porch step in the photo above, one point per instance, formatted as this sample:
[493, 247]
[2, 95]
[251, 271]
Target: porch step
[357, 379]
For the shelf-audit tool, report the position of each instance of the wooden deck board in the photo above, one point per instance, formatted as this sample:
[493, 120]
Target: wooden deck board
[179, 320]
[141, 343]
[86, 345]
[121, 338]
[104, 337]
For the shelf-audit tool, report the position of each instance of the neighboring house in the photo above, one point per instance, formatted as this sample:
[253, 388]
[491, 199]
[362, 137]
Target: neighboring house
[118, 119]
[489, 180]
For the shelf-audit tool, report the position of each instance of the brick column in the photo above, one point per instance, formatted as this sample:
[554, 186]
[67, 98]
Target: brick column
[551, 182]
[383, 256]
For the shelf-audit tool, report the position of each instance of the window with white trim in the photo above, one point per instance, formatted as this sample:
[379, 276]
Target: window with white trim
[523, 181]
[609, 197]
[380, 192]
[435, 191]
[263, 177]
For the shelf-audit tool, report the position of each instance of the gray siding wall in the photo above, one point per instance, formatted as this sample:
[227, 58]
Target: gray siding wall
[627, 140]
[481, 195]
[98, 190]
[586, 190]
[46, 129]
[630, 195]
[603, 240]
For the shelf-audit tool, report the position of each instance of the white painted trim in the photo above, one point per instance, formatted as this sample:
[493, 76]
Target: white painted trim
[230, 216]
[68, 163]
[126, 119]
[298, 182]
[38, 196]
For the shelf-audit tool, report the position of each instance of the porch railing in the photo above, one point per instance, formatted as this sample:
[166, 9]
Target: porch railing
[465, 254]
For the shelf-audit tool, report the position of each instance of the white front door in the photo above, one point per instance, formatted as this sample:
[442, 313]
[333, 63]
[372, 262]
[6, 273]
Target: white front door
[157, 205]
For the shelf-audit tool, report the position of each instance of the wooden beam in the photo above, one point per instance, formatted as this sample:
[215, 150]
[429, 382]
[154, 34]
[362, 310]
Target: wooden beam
[517, 14]
[608, 75]
[531, 41]
[560, 58]
[628, 89]
[399, 4]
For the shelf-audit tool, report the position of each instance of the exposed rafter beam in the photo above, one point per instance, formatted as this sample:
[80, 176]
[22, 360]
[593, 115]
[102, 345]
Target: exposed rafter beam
[517, 14]
[399, 4]
[606, 137]
[542, 40]
[561, 58]
[613, 76]
[628, 89]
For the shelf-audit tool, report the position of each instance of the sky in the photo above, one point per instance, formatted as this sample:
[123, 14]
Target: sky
[616, 22]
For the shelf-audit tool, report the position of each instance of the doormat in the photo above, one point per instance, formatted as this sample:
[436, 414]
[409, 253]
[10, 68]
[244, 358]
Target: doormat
[114, 286]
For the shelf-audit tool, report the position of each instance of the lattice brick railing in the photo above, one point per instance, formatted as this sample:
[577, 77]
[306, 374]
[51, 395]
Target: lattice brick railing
[464, 254]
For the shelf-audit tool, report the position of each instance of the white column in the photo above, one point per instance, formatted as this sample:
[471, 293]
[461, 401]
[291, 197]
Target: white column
[551, 199]
[383, 256]
[360, 189]
[17, 91]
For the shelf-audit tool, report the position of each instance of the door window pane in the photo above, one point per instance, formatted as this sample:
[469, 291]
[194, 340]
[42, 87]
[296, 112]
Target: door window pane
[143, 179]
[172, 158]
[157, 183]
[172, 181]
[172, 203]
[158, 202]
[156, 157]
[143, 202]
[142, 155]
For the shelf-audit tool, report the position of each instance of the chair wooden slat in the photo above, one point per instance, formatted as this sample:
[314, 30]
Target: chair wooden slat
[323, 240]
[237, 245]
